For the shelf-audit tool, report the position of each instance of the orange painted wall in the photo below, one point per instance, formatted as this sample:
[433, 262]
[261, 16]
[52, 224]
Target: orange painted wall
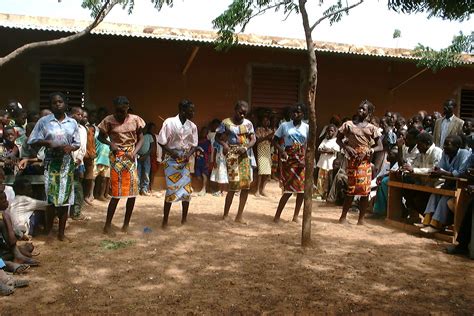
[149, 73]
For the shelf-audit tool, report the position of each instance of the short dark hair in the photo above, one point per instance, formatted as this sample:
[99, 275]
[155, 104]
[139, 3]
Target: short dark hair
[241, 103]
[455, 139]
[60, 94]
[184, 104]
[451, 102]
[425, 138]
[20, 185]
[302, 106]
[75, 108]
[120, 100]
[7, 128]
[413, 131]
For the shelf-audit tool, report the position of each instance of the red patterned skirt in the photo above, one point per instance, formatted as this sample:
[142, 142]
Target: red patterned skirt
[292, 170]
[359, 176]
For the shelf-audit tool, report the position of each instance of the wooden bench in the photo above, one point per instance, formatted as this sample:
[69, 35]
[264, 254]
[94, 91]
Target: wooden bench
[394, 205]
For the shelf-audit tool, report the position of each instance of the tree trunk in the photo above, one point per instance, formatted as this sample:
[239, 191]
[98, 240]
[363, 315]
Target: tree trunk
[104, 10]
[311, 144]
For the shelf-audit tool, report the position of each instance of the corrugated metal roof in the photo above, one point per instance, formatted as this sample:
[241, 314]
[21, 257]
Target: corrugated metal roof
[173, 34]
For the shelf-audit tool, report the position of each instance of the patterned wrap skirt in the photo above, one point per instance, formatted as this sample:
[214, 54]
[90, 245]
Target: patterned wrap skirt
[59, 180]
[264, 158]
[292, 170]
[239, 171]
[359, 176]
[178, 180]
[123, 174]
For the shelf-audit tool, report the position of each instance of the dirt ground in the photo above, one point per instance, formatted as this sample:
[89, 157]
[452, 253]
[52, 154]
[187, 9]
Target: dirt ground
[212, 266]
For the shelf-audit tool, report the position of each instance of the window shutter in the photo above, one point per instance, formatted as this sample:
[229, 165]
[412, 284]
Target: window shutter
[275, 87]
[467, 104]
[68, 79]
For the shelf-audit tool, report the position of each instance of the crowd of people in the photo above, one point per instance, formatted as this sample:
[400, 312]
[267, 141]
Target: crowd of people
[80, 155]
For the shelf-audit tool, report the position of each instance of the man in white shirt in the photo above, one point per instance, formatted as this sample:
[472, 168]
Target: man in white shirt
[447, 125]
[178, 138]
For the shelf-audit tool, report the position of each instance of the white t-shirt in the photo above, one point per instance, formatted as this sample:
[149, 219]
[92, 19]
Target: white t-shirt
[326, 160]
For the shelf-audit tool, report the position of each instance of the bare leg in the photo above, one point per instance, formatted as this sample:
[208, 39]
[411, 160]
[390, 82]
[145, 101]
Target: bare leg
[185, 205]
[299, 202]
[110, 214]
[364, 200]
[88, 190]
[166, 213]
[204, 185]
[259, 184]
[228, 203]
[98, 186]
[345, 208]
[62, 214]
[106, 187]
[128, 213]
[266, 178]
[49, 215]
[243, 200]
[284, 198]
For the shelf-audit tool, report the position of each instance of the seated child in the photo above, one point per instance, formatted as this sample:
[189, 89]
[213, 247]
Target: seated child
[9, 151]
[22, 207]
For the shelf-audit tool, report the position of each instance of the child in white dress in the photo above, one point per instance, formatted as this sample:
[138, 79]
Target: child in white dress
[328, 150]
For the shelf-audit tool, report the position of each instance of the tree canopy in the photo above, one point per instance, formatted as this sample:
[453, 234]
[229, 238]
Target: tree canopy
[459, 10]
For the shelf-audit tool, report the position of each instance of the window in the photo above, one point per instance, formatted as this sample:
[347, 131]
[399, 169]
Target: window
[275, 88]
[68, 79]
[467, 103]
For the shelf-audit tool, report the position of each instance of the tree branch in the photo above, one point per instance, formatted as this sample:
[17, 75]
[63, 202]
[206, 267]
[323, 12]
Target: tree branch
[347, 8]
[105, 9]
[261, 11]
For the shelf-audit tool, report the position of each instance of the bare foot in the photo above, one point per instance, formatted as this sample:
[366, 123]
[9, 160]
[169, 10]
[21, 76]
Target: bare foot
[124, 229]
[89, 201]
[295, 220]
[240, 220]
[342, 220]
[184, 221]
[108, 231]
[264, 194]
[202, 193]
[361, 222]
[102, 199]
[164, 226]
[257, 194]
[276, 220]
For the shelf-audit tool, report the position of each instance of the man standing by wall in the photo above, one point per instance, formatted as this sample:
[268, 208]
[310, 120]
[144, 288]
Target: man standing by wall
[447, 125]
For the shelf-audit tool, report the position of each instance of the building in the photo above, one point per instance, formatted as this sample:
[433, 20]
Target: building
[156, 67]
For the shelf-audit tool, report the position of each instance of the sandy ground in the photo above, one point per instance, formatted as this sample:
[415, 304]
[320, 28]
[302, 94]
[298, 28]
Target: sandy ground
[219, 267]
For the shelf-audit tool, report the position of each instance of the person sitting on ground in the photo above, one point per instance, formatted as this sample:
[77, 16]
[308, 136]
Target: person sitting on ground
[23, 206]
[449, 124]
[328, 150]
[20, 255]
[292, 151]
[453, 159]
[264, 134]
[9, 151]
[202, 159]
[144, 160]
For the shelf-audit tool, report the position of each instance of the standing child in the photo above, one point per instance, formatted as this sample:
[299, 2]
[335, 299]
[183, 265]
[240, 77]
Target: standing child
[203, 155]
[9, 151]
[328, 150]
[468, 133]
[144, 160]
[264, 155]
[219, 170]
